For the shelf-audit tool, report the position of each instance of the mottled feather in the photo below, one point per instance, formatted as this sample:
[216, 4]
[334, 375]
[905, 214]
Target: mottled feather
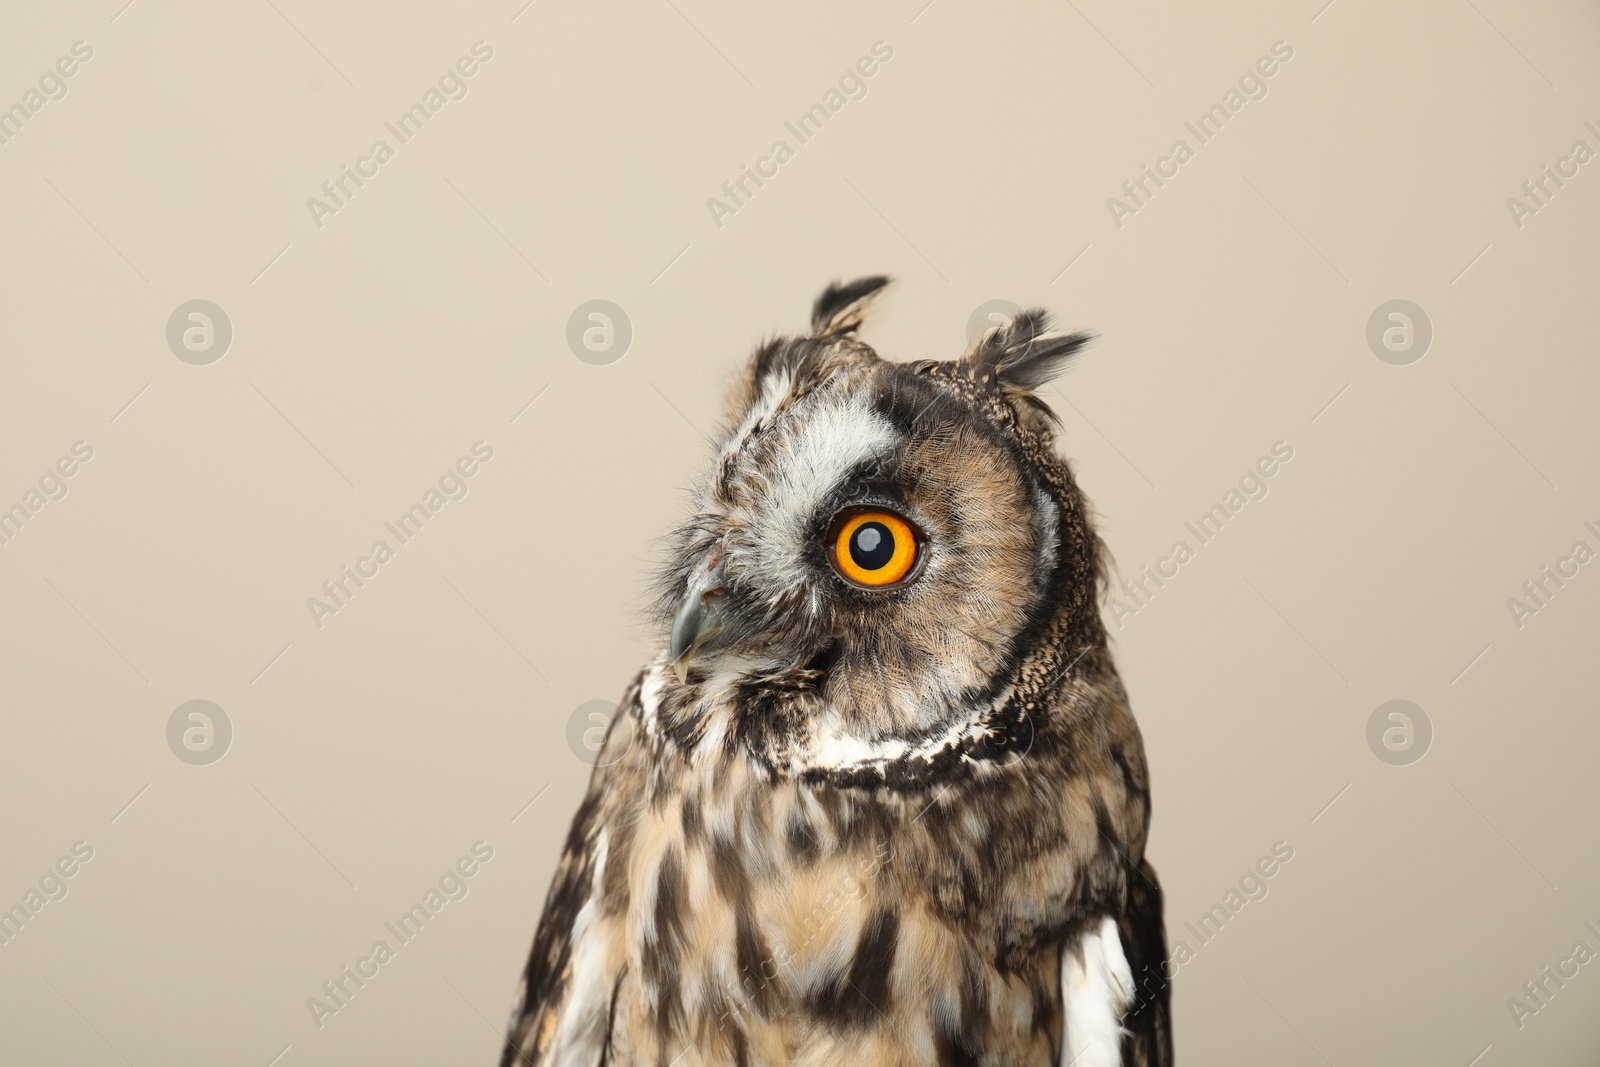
[883, 827]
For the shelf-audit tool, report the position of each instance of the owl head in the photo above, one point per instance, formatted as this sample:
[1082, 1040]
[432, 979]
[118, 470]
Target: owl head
[879, 549]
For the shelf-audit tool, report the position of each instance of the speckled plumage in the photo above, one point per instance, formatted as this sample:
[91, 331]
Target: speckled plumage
[874, 827]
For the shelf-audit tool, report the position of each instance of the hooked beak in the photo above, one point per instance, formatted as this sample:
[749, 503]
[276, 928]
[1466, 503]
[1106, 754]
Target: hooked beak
[701, 618]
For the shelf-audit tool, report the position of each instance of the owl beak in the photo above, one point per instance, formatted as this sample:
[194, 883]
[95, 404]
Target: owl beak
[701, 618]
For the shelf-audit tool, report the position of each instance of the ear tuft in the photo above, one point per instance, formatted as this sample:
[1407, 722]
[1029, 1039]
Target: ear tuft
[840, 308]
[1022, 355]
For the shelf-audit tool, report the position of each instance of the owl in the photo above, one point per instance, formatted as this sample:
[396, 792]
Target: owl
[879, 799]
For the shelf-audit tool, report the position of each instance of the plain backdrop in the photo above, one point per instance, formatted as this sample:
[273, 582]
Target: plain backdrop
[446, 701]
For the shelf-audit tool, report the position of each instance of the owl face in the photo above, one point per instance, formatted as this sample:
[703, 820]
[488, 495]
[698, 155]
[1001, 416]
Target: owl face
[877, 535]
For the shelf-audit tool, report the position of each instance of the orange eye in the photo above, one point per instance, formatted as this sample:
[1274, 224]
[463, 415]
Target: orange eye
[874, 548]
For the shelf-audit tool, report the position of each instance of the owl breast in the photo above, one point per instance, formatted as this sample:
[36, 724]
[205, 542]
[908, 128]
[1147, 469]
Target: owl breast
[775, 921]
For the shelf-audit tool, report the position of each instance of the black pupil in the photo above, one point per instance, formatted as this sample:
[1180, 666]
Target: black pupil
[872, 546]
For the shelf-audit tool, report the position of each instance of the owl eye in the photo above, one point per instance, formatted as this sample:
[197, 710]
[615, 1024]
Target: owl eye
[872, 547]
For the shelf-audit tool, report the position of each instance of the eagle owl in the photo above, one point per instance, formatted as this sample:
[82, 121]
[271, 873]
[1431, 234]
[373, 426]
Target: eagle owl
[883, 801]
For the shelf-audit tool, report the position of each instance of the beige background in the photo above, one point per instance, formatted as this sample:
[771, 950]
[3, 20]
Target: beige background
[368, 354]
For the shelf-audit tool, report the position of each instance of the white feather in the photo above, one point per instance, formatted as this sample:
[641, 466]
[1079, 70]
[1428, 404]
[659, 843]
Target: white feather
[1096, 988]
[841, 431]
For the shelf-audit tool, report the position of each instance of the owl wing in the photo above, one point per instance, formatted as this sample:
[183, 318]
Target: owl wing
[565, 1002]
[1115, 993]
[1147, 1020]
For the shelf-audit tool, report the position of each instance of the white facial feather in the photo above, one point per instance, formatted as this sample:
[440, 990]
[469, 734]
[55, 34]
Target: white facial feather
[832, 433]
